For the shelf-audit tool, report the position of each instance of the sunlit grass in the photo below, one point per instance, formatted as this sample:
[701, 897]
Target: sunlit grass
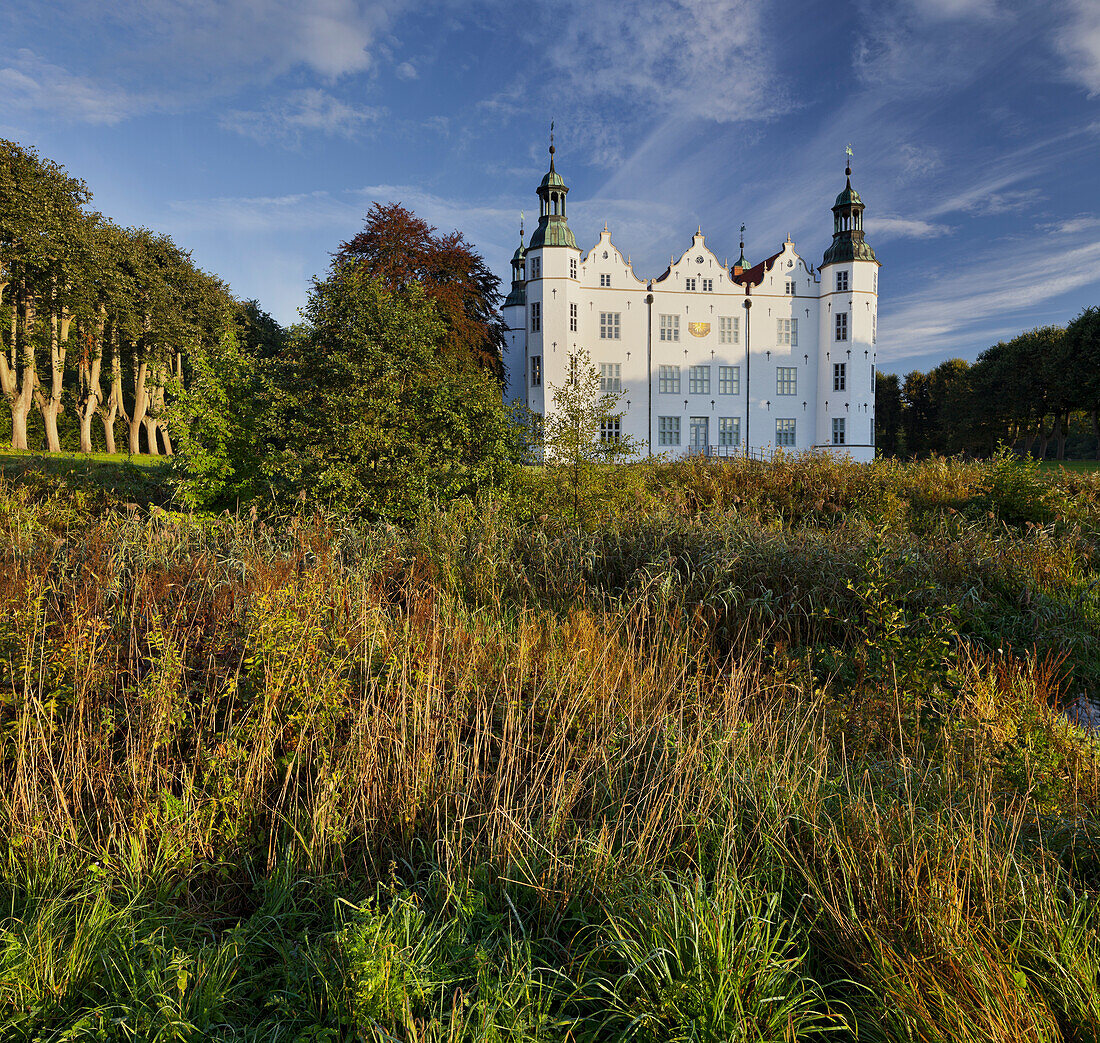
[760, 752]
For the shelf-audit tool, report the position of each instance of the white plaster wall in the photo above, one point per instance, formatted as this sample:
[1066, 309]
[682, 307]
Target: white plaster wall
[758, 404]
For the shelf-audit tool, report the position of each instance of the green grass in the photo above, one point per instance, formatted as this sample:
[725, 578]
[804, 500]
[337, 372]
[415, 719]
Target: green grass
[1082, 466]
[758, 752]
[104, 477]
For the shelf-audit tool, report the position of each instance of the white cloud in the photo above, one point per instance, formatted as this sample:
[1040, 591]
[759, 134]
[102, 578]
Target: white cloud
[608, 69]
[406, 71]
[303, 111]
[886, 228]
[947, 10]
[31, 84]
[173, 54]
[968, 300]
[1073, 225]
[1079, 42]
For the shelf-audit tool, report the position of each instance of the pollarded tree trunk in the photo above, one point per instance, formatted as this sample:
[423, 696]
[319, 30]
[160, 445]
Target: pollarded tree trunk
[18, 373]
[114, 407]
[90, 392]
[1045, 436]
[1061, 426]
[150, 425]
[141, 404]
[50, 405]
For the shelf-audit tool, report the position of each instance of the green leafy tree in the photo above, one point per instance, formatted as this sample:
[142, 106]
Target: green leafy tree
[1083, 352]
[372, 415]
[889, 435]
[581, 431]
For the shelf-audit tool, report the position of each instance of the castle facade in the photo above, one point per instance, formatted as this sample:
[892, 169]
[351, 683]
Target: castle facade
[705, 358]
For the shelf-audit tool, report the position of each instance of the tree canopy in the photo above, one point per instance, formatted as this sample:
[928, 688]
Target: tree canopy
[400, 249]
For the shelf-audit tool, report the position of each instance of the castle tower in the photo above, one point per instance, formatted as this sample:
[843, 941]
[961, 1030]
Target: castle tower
[551, 289]
[848, 332]
[514, 314]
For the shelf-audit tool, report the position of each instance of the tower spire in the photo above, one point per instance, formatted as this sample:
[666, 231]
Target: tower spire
[848, 242]
[553, 229]
[742, 262]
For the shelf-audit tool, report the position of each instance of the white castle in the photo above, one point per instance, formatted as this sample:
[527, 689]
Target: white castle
[705, 358]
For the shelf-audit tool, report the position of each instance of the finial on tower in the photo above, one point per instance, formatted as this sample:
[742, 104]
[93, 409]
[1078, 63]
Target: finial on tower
[521, 226]
[848, 162]
[551, 139]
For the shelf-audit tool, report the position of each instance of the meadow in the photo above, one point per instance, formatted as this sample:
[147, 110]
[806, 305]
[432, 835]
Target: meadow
[750, 752]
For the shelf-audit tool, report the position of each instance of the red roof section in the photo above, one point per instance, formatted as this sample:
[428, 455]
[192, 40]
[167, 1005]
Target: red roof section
[755, 275]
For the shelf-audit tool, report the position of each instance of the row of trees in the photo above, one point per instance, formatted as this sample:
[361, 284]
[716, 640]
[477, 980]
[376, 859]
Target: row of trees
[1036, 392]
[94, 318]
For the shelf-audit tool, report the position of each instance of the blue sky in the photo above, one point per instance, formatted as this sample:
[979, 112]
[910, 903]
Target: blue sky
[257, 133]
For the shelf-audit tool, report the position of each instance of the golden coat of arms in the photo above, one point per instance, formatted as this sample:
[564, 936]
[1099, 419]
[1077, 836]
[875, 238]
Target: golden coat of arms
[699, 329]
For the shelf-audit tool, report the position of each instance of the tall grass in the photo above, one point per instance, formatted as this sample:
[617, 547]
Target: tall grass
[729, 765]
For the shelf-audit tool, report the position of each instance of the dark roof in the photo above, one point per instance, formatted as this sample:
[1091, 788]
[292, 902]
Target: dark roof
[754, 276]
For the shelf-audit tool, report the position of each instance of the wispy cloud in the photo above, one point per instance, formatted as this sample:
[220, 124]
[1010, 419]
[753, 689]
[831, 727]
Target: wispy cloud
[886, 228]
[1078, 40]
[31, 84]
[176, 54]
[608, 69]
[301, 112]
[971, 299]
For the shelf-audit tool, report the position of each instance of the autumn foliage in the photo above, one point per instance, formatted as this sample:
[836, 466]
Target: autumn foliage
[400, 248]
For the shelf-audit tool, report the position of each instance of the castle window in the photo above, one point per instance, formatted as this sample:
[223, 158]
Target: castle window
[786, 380]
[699, 380]
[729, 430]
[728, 329]
[611, 431]
[874, 329]
[670, 327]
[787, 332]
[668, 430]
[784, 433]
[605, 279]
[536, 317]
[689, 284]
[708, 285]
[790, 287]
[729, 380]
[572, 267]
[838, 430]
[572, 318]
[536, 371]
[535, 266]
[609, 325]
[876, 283]
[840, 376]
[842, 280]
[669, 377]
[872, 376]
[841, 325]
[611, 381]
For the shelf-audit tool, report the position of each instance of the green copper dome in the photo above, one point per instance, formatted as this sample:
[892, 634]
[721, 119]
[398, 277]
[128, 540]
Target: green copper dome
[848, 242]
[519, 255]
[553, 179]
[848, 197]
[553, 229]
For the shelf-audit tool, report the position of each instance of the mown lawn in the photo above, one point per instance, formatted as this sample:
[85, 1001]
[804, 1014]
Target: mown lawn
[752, 752]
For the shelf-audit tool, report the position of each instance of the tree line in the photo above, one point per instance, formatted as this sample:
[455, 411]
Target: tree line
[1038, 393]
[97, 320]
[387, 395]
